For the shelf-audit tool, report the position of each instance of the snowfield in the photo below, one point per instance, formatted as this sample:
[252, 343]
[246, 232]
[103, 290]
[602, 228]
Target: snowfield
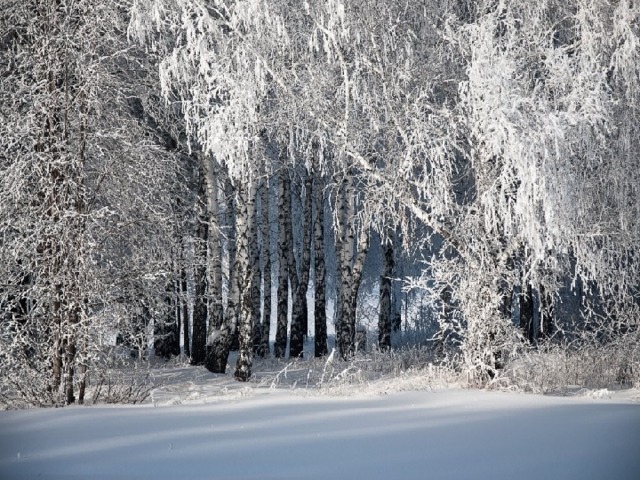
[262, 433]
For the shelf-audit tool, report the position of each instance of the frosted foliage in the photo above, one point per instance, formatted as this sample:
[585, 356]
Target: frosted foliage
[541, 120]
[214, 69]
[80, 219]
[508, 128]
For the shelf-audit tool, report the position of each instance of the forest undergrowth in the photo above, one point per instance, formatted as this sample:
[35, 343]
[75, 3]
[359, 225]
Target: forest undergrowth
[581, 367]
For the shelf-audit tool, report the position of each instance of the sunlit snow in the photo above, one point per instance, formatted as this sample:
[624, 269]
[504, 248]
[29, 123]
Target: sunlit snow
[272, 433]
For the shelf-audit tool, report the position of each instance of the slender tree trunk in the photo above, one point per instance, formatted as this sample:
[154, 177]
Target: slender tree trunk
[284, 198]
[245, 214]
[230, 194]
[266, 271]
[214, 271]
[546, 314]
[83, 368]
[199, 337]
[358, 266]
[340, 240]
[165, 332]
[300, 311]
[351, 265]
[396, 286]
[177, 311]
[57, 356]
[184, 313]
[254, 265]
[239, 301]
[70, 353]
[526, 312]
[384, 320]
[319, 307]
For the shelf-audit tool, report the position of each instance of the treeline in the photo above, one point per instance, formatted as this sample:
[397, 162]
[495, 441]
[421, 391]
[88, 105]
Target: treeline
[169, 161]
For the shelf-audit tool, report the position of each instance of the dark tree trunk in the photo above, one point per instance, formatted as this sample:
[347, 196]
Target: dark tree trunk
[384, 321]
[185, 312]
[300, 311]
[247, 309]
[280, 345]
[166, 334]
[70, 353]
[266, 272]
[254, 266]
[396, 286]
[526, 312]
[199, 335]
[230, 194]
[320, 312]
[546, 314]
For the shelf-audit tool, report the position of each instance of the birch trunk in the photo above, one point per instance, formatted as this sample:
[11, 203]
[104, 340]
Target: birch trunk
[546, 314]
[319, 307]
[185, 312]
[214, 265]
[300, 312]
[230, 194]
[526, 312]
[284, 199]
[384, 320]
[340, 230]
[166, 337]
[243, 288]
[199, 334]
[266, 271]
[220, 340]
[351, 264]
[254, 266]
[396, 286]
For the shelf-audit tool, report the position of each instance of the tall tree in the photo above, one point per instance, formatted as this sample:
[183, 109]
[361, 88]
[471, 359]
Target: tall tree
[253, 213]
[265, 229]
[301, 284]
[246, 309]
[76, 210]
[320, 312]
[200, 310]
[214, 263]
[352, 246]
[284, 200]
[384, 322]
[511, 106]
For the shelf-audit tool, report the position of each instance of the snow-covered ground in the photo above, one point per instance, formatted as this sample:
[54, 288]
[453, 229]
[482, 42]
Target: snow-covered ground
[260, 432]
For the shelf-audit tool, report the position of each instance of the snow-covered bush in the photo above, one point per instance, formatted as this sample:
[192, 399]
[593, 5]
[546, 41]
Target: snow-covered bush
[584, 363]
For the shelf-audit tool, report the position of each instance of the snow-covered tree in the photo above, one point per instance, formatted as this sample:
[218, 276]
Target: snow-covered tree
[502, 126]
[83, 230]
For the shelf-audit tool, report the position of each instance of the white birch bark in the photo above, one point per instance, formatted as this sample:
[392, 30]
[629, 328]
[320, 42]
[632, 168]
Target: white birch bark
[214, 263]
[243, 288]
[199, 332]
[254, 264]
[353, 249]
[265, 228]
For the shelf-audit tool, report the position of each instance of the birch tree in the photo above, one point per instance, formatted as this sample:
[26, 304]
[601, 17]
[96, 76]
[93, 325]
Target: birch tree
[65, 211]
[265, 254]
[499, 125]
[284, 246]
[300, 284]
[320, 313]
